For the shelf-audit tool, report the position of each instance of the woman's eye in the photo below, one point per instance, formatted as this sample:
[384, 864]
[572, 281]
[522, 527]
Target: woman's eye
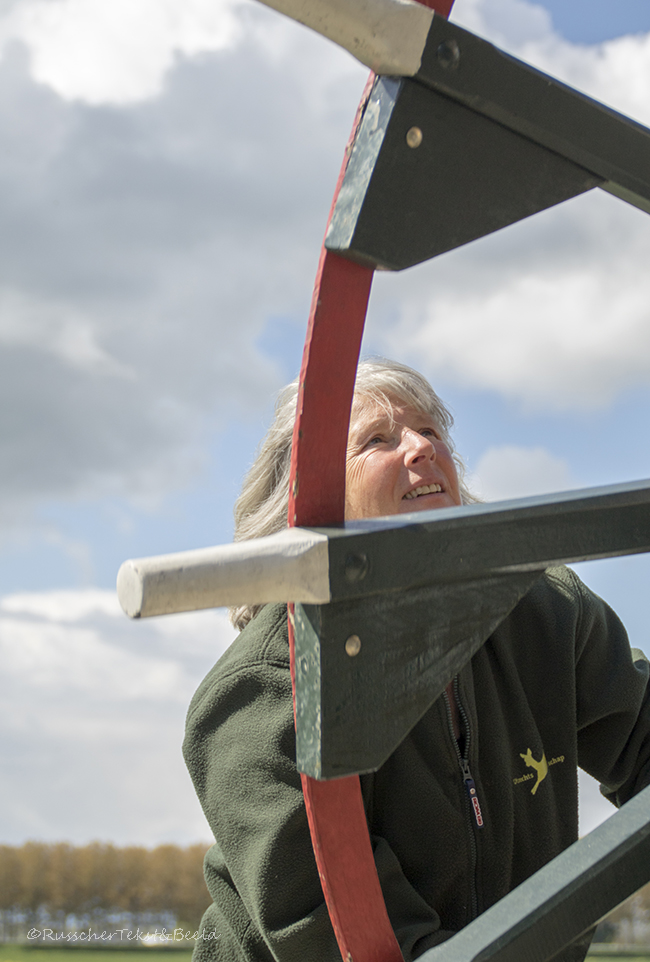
[375, 441]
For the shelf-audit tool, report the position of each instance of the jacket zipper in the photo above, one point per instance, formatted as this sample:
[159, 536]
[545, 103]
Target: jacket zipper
[473, 808]
[470, 788]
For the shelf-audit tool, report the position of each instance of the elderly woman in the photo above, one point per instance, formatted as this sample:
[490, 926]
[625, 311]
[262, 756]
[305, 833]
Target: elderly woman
[555, 686]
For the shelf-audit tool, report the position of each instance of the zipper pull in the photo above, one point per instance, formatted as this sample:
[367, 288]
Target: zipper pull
[470, 788]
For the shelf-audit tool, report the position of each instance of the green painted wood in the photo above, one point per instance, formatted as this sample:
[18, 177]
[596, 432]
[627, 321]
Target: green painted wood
[469, 177]
[481, 540]
[353, 712]
[497, 141]
[538, 106]
[422, 592]
[540, 919]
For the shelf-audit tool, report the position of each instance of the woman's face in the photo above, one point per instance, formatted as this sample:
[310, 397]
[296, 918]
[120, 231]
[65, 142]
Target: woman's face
[397, 464]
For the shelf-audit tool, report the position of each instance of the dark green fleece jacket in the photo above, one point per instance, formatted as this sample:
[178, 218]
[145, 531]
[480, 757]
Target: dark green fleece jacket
[556, 686]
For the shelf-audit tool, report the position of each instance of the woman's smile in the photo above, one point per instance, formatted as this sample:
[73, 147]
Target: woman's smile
[396, 463]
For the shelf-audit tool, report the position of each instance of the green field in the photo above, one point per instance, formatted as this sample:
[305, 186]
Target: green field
[19, 953]
[601, 951]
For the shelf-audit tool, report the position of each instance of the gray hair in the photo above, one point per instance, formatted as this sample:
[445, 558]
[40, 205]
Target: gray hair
[263, 505]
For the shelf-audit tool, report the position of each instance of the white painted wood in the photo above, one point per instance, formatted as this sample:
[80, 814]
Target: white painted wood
[289, 566]
[386, 35]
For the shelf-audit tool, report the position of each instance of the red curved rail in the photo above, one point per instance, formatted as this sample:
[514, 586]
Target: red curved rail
[335, 810]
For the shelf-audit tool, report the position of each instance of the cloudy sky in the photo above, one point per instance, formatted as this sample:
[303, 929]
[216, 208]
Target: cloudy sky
[165, 176]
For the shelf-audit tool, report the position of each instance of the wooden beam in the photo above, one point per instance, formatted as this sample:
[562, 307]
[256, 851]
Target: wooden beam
[289, 565]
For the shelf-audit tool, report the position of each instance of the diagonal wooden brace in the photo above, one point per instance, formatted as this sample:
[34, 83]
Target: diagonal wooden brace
[474, 141]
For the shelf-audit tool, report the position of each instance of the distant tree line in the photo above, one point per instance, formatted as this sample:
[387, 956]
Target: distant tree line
[68, 887]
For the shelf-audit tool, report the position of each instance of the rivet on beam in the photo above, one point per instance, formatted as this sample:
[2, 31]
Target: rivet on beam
[356, 567]
[353, 645]
[414, 137]
[448, 54]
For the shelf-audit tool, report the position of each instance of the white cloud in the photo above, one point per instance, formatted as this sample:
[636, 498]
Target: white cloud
[62, 606]
[571, 336]
[508, 23]
[60, 330]
[616, 72]
[509, 471]
[143, 250]
[95, 705]
[117, 52]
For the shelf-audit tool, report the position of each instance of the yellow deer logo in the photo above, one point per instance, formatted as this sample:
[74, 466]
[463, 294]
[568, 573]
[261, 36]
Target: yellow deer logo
[540, 767]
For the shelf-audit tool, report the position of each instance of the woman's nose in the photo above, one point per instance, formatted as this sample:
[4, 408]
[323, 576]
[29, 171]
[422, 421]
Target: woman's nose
[418, 447]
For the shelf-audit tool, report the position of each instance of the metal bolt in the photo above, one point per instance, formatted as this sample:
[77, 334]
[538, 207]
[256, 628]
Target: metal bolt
[414, 137]
[353, 645]
[356, 567]
[448, 54]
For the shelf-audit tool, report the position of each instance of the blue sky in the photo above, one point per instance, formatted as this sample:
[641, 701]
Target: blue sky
[164, 183]
[592, 21]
